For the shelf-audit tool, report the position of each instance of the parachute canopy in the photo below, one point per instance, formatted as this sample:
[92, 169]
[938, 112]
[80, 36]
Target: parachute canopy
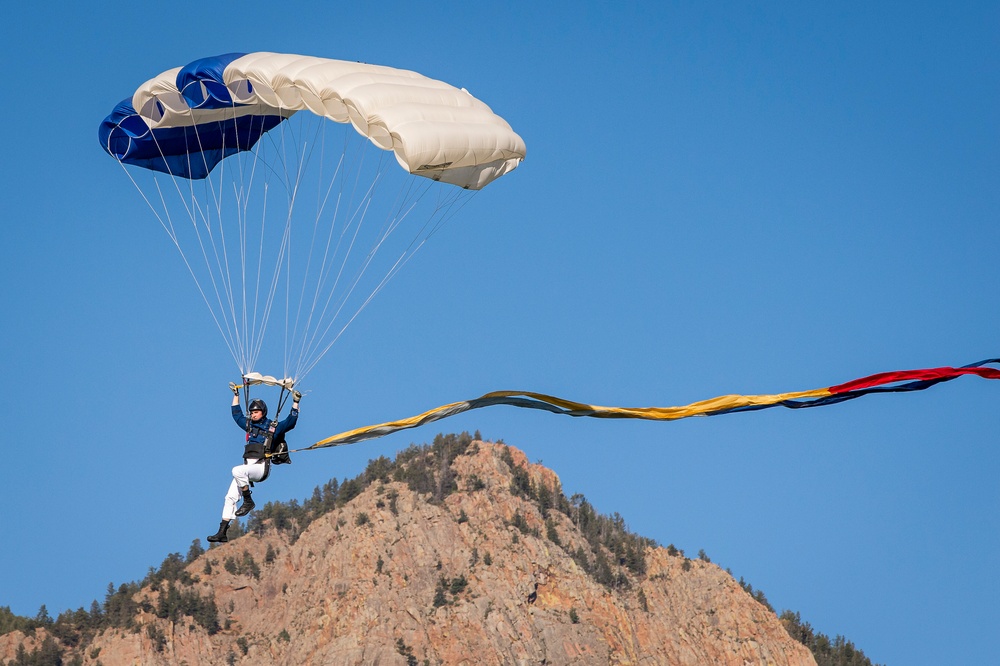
[279, 209]
[186, 120]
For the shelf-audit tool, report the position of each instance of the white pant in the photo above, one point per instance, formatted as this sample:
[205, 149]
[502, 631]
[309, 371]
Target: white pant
[253, 470]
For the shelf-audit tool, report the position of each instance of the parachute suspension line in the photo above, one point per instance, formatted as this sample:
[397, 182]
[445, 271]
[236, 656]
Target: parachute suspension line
[221, 263]
[168, 227]
[242, 329]
[272, 286]
[242, 190]
[254, 328]
[322, 197]
[216, 192]
[308, 147]
[399, 263]
[404, 257]
[239, 318]
[409, 195]
[246, 189]
[326, 265]
[357, 219]
[248, 326]
[283, 265]
[254, 319]
[195, 212]
[265, 292]
[325, 270]
[452, 204]
[281, 170]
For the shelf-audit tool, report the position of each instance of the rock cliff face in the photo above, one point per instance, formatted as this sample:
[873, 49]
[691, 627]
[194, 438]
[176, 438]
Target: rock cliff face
[480, 577]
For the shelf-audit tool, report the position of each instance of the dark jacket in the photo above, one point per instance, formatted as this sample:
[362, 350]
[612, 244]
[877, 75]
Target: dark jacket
[257, 431]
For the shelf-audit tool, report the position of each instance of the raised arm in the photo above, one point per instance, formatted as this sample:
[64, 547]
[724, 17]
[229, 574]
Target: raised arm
[238, 416]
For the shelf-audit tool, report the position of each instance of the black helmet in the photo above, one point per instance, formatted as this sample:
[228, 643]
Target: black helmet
[257, 403]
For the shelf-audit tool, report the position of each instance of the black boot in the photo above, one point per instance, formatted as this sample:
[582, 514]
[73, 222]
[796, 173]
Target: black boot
[247, 505]
[220, 536]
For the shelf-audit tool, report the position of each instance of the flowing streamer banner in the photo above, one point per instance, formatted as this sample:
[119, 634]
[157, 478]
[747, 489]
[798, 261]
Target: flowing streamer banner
[901, 381]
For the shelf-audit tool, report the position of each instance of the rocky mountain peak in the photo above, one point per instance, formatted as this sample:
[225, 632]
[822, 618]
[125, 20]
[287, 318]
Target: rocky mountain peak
[461, 552]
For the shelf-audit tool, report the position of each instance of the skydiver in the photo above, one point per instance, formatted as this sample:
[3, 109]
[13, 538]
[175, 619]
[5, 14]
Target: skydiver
[255, 466]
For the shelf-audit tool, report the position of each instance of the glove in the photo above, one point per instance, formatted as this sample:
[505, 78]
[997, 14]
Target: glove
[296, 396]
[234, 388]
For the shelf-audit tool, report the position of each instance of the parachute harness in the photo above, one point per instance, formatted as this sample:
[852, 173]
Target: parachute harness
[272, 424]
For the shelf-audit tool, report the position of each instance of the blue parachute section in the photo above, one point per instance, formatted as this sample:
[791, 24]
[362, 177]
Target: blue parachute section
[202, 85]
[193, 148]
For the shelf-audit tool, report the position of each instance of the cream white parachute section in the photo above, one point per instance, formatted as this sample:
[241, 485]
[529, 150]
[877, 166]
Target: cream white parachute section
[434, 129]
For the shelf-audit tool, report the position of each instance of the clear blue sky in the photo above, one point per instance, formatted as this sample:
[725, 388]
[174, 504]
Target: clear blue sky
[735, 198]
